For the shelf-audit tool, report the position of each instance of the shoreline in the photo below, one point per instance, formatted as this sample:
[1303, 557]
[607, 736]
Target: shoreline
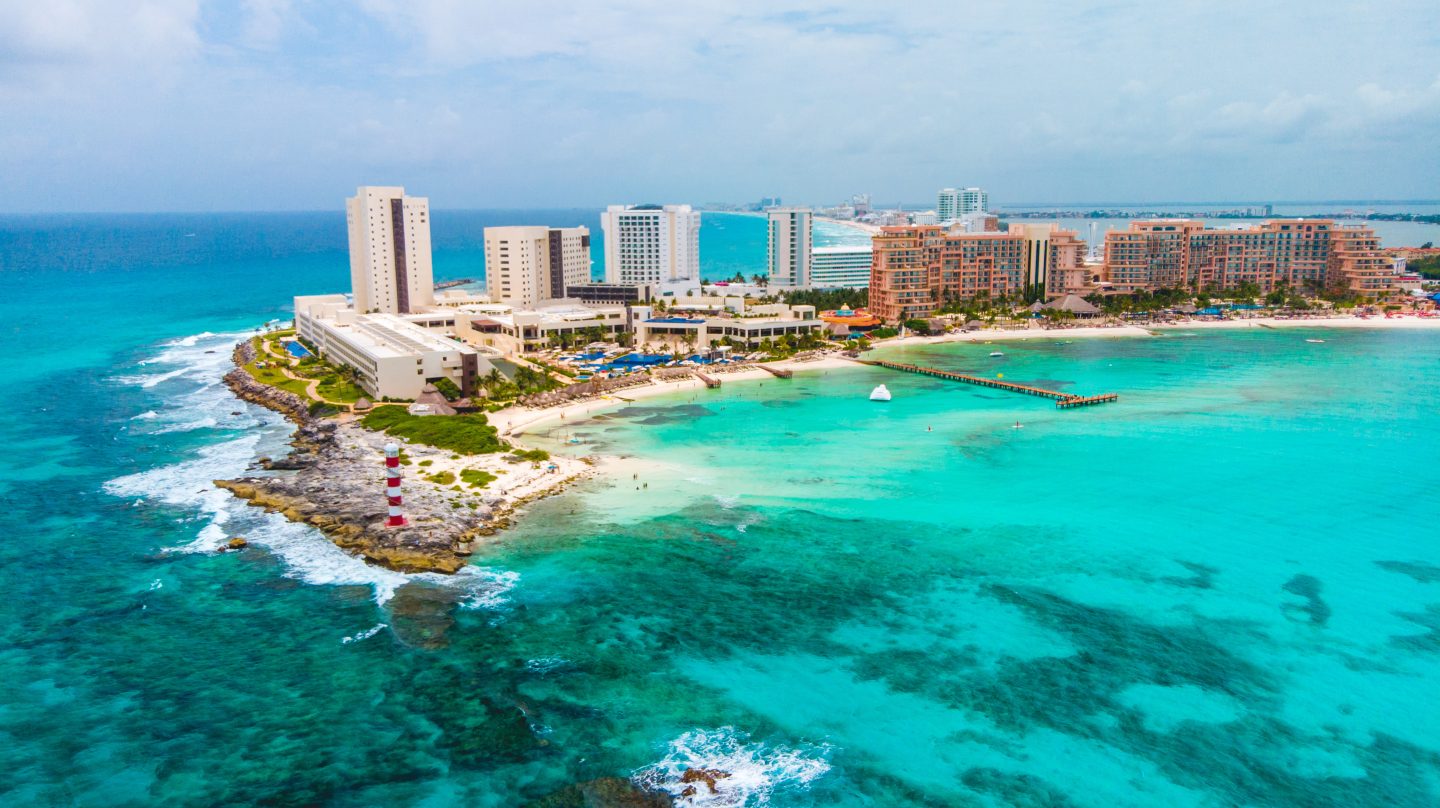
[330, 478]
[514, 422]
[333, 479]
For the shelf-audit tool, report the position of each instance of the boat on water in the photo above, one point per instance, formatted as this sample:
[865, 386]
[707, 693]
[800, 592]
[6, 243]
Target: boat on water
[880, 393]
[1314, 340]
[996, 353]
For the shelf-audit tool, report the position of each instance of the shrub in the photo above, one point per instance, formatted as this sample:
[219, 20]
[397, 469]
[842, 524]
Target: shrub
[447, 388]
[476, 478]
[533, 455]
[461, 434]
[442, 477]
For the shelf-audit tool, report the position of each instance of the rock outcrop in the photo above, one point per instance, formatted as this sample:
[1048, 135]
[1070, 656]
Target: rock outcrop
[334, 480]
[244, 386]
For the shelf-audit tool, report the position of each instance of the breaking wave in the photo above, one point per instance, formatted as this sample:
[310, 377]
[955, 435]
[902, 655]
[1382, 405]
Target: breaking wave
[187, 486]
[720, 768]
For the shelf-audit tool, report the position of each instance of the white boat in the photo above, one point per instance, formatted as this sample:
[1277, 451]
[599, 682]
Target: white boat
[880, 393]
[996, 353]
[1314, 340]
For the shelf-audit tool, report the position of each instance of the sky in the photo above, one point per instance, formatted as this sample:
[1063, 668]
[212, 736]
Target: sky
[193, 105]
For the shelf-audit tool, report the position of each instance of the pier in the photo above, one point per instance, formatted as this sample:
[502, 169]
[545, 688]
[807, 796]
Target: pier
[779, 373]
[710, 381]
[1086, 401]
[1062, 400]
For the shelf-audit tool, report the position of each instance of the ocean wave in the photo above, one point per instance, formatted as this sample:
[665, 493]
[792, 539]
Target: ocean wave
[484, 587]
[736, 773]
[545, 665]
[364, 635]
[305, 552]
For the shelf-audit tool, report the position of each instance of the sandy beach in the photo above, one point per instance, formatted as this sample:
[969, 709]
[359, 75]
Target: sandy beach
[861, 226]
[514, 421]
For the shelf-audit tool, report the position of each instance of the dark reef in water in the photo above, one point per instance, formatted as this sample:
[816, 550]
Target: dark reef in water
[1420, 571]
[1316, 610]
[1430, 640]
[1203, 577]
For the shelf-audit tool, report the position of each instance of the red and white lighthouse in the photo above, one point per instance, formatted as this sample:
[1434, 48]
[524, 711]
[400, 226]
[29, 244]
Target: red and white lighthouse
[392, 485]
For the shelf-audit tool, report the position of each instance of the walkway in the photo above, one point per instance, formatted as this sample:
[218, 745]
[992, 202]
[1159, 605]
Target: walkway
[1062, 400]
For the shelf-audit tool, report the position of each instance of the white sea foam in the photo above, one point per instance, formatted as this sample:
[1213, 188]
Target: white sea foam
[485, 587]
[727, 501]
[188, 485]
[753, 771]
[545, 665]
[364, 635]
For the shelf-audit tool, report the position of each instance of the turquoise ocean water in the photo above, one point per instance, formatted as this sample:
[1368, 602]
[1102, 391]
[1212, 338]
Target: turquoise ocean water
[1222, 590]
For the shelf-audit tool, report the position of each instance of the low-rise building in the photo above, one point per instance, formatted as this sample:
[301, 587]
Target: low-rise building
[393, 357]
[611, 293]
[511, 331]
[758, 323]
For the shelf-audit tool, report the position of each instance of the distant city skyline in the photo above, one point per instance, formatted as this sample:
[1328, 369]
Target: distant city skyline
[194, 105]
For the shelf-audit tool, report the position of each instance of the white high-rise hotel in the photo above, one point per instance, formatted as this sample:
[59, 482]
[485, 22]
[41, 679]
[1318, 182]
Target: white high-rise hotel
[527, 265]
[956, 202]
[651, 243]
[390, 268]
[789, 247]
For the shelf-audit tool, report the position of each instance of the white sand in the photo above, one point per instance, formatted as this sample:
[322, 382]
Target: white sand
[513, 421]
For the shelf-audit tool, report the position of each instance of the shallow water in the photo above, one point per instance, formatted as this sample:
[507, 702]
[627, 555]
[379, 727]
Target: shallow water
[1222, 589]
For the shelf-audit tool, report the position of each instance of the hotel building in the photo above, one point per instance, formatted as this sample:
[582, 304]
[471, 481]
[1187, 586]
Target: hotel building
[1054, 259]
[708, 320]
[952, 203]
[393, 356]
[390, 268]
[651, 243]
[1302, 254]
[841, 267]
[918, 269]
[789, 247]
[527, 265]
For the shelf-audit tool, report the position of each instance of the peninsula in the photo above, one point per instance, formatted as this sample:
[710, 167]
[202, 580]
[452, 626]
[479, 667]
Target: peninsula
[455, 378]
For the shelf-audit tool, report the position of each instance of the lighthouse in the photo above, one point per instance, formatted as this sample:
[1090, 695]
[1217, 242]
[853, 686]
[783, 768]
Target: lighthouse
[392, 486]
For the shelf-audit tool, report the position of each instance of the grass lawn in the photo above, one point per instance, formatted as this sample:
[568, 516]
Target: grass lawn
[272, 376]
[336, 388]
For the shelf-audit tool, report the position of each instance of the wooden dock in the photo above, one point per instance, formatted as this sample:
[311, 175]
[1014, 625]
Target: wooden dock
[710, 381]
[779, 373]
[1062, 400]
[1086, 401]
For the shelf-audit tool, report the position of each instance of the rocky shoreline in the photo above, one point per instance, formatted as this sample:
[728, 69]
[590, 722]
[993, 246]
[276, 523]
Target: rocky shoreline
[334, 480]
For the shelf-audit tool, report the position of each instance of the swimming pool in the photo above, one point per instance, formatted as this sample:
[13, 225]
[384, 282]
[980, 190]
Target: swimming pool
[297, 350]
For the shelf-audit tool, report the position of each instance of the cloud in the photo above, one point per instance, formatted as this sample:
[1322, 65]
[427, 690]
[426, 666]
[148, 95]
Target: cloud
[58, 41]
[506, 103]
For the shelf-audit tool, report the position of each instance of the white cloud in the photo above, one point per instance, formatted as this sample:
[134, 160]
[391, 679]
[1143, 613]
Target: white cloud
[55, 44]
[512, 103]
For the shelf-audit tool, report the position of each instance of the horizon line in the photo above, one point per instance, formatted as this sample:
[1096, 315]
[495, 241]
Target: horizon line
[339, 209]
